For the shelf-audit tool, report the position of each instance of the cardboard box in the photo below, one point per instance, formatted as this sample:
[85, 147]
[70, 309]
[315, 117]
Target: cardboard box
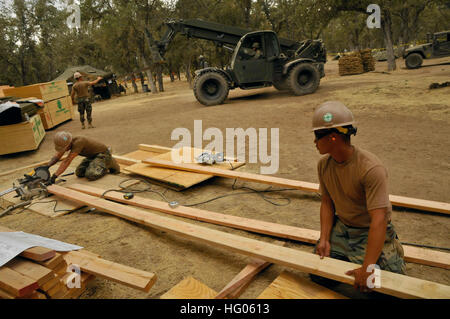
[25, 136]
[44, 91]
[56, 112]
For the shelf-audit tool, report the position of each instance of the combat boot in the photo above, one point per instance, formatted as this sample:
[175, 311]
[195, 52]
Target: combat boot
[90, 125]
[83, 126]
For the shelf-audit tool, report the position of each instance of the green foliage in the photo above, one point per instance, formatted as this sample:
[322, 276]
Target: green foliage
[37, 45]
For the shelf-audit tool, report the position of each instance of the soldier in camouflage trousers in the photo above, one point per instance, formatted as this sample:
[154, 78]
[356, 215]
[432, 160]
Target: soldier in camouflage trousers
[81, 90]
[355, 210]
[349, 244]
[84, 105]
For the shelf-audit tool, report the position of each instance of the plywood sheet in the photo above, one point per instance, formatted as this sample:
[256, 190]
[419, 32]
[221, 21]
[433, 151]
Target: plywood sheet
[290, 286]
[190, 288]
[174, 177]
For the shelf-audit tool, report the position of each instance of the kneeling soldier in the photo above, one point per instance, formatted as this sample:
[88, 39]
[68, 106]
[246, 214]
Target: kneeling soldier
[98, 159]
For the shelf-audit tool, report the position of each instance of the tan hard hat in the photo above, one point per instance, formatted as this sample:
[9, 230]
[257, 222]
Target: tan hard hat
[77, 75]
[332, 114]
[62, 140]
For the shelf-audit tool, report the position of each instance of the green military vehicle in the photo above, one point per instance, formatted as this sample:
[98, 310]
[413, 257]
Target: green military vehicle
[437, 46]
[259, 59]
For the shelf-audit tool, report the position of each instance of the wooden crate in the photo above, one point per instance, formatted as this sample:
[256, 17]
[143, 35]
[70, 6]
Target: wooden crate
[73, 114]
[25, 136]
[56, 112]
[44, 91]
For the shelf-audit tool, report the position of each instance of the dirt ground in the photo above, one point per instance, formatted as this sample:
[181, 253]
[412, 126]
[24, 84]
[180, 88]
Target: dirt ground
[399, 119]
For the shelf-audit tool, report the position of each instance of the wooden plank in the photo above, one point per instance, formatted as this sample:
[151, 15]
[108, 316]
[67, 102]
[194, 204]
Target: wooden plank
[52, 263]
[6, 295]
[154, 148]
[51, 283]
[125, 160]
[128, 276]
[240, 282]
[15, 283]
[391, 283]
[38, 253]
[189, 288]
[244, 277]
[421, 204]
[290, 286]
[412, 254]
[32, 270]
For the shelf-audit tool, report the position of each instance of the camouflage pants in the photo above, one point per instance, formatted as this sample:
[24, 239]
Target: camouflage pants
[97, 166]
[84, 104]
[349, 244]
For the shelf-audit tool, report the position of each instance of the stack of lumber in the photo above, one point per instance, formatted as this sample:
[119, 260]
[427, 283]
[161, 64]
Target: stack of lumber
[58, 106]
[34, 275]
[351, 64]
[367, 60]
[42, 273]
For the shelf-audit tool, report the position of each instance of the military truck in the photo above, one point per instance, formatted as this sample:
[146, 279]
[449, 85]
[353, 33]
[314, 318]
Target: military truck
[437, 46]
[283, 63]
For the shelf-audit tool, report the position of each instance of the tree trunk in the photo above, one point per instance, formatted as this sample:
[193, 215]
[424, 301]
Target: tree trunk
[386, 26]
[150, 77]
[160, 77]
[187, 67]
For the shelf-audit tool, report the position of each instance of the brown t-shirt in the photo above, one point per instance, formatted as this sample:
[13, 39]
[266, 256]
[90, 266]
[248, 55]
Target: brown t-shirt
[87, 147]
[81, 88]
[355, 186]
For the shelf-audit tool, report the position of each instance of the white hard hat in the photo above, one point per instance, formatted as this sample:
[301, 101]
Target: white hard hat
[77, 75]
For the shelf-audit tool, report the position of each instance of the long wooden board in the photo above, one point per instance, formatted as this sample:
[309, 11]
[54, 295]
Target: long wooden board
[189, 288]
[412, 254]
[415, 203]
[393, 284]
[135, 278]
[290, 286]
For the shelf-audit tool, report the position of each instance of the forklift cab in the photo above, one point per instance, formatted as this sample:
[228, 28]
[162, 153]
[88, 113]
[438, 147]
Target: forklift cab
[253, 57]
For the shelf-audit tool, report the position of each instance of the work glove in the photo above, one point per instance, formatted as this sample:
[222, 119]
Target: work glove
[53, 179]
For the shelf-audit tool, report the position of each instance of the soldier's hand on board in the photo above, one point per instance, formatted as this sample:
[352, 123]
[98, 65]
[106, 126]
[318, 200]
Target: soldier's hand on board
[323, 248]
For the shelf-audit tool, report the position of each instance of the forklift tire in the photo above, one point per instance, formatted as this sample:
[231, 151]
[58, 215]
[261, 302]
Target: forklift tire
[211, 88]
[304, 78]
[413, 61]
[281, 85]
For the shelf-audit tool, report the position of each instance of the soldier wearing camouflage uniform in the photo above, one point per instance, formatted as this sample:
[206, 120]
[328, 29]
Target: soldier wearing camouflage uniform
[81, 90]
[355, 212]
[98, 160]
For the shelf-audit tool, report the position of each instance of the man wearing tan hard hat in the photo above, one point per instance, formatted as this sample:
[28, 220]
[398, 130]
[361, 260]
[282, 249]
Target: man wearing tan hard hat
[98, 159]
[81, 90]
[355, 211]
